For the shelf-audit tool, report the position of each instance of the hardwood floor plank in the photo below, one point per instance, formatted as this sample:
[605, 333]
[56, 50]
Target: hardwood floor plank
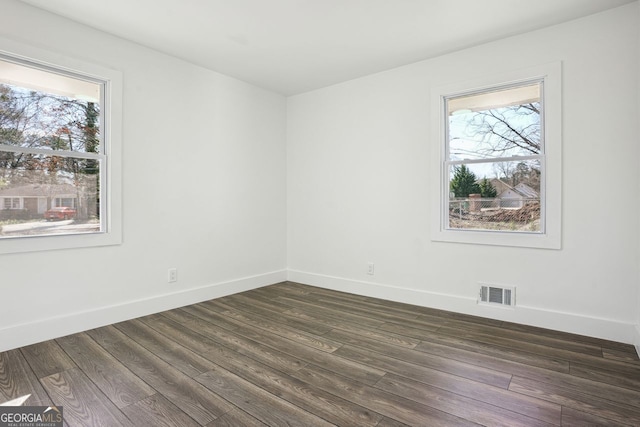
[455, 404]
[17, 379]
[157, 411]
[388, 422]
[575, 399]
[531, 372]
[542, 350]
[112, 378]
[370, 332]
[260, 404]
[179, 334]
[246, 299]
[282, 329]
[301, 394]
[565, 336]
[268, 302]
[373, 307]
[291, 288]
[235, 342]
[46, 358]
[84, 404]
[478, 373]
[196, 323]
[235, 418]
[186, 361]
[313, 308]
[183, 391]
[617, 346]
[574, 418]
[608, 377]
[387, 404]
[496, 396]
[366, 309]
[511, 354]
[281, 318]
[525, 337]
[323, 321]
[306, 354]
[623, 356]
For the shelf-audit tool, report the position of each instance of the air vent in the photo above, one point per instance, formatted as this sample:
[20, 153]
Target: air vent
[497, 295]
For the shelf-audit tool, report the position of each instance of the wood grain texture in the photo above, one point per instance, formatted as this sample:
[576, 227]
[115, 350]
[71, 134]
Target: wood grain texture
[157, 411]
[47, 358]
[388, 404]
[299, 393]
[292, 354]
[117, 382]
[455, 404]
[84, 404]
[281, 329]
[234, 418]
[498, 396]
[17, 379]
[182, 390]
[266, 407]
[574, 398]
[181, 358]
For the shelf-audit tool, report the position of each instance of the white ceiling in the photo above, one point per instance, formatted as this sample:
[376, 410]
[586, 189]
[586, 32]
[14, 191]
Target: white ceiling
[293, 46]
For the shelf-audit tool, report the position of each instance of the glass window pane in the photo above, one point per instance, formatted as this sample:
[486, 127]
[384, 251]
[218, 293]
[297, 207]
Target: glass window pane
[40, 109]
[498, 123]
[46, 195]
[502, 196]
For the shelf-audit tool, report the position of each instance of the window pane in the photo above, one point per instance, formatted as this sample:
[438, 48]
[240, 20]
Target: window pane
[503, 196]
[497, 123]
[40, 109]
[45, 195]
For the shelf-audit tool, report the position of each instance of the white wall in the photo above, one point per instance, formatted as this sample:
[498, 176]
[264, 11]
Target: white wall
[358, 185]
[357, 190]
[203, 190]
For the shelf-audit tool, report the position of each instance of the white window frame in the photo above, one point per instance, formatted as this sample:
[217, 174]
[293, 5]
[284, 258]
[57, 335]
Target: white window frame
[11, 203]
[551, 187]
[110, 156]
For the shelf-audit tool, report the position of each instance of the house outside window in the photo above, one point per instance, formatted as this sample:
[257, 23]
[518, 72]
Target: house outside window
[60, 132]
[497, 144]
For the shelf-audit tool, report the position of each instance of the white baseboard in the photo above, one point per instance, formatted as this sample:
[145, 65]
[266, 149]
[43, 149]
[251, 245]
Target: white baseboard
[608, 329]
[15, 336]
[30, 333]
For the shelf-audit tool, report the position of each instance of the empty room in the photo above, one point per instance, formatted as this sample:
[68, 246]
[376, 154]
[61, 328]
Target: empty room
[319, 212]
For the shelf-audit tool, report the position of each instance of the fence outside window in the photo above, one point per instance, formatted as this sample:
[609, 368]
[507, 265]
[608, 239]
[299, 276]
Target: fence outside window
[506, 214]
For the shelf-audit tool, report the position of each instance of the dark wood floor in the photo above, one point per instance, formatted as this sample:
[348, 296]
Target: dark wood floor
[290, 354]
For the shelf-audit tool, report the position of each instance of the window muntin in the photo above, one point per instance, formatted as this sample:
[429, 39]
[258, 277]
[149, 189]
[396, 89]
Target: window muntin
[46, 110]
[12, 203]
[494, 159]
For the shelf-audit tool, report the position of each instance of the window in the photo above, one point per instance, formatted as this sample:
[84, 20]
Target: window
[499, 160]
[66, 202]
[11, 203]
[59, 147]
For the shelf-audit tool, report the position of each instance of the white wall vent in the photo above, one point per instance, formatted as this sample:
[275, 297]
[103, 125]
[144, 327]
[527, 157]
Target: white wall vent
[497, 295]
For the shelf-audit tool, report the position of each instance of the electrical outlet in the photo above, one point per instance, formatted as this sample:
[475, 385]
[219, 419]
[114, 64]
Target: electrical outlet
[173, 275]
[370, 268]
